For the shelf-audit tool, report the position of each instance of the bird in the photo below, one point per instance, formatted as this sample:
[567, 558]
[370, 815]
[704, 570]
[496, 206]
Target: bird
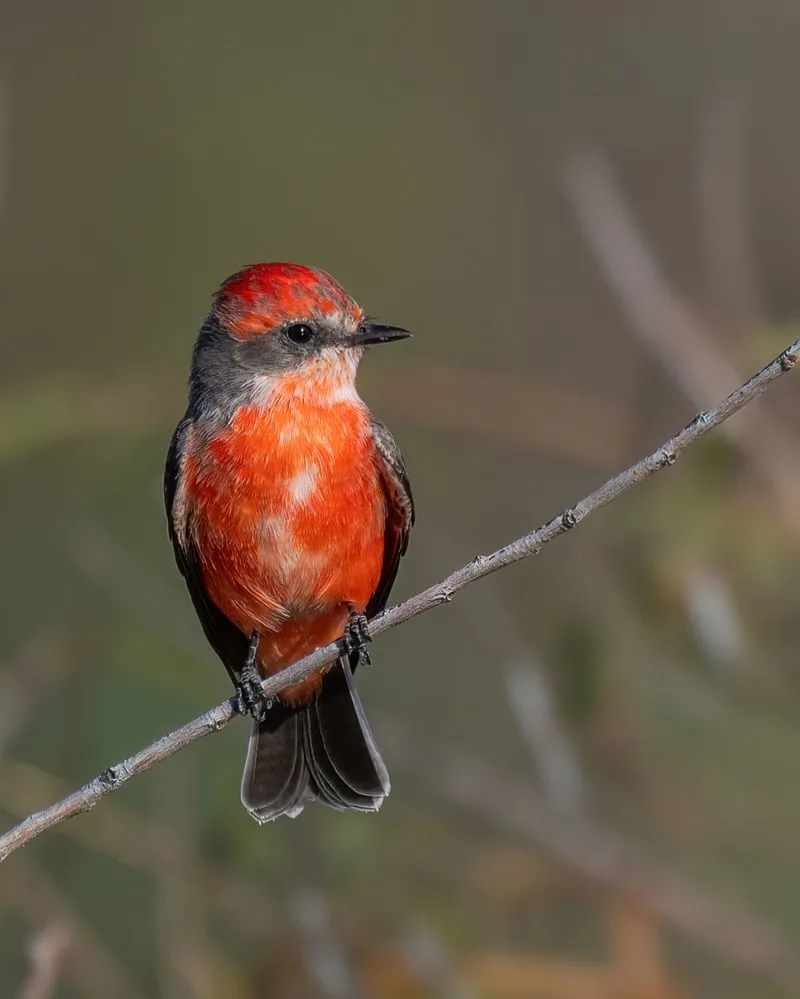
[289, 507]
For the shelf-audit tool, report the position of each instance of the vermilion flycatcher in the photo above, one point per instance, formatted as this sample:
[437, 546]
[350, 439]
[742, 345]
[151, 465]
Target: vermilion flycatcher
[289, 508]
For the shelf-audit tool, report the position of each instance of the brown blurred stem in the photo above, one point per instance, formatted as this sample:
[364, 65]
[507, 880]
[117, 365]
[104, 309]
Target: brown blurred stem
[46, 952]
[730, 270]
[530, 544]
[88, 962]
[669, 327]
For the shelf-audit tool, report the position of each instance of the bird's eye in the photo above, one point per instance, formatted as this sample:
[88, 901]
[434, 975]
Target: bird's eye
[300, 332]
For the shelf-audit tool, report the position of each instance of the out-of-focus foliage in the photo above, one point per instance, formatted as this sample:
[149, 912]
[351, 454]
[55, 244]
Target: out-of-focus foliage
[417, 151]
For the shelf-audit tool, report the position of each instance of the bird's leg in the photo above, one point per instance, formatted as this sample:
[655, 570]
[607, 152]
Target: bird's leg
[356, 637]
[248, 699]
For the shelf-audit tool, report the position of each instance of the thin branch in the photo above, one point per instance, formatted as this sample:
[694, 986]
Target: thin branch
[530, 544]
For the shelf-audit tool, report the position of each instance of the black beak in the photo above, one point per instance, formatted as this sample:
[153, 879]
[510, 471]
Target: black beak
[370, 333]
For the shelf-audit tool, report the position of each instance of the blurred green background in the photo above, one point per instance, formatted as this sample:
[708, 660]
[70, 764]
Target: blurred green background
[589, 214]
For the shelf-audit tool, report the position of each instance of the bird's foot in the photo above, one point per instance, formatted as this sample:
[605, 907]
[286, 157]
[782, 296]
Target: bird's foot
[357, 636]
[249, 698]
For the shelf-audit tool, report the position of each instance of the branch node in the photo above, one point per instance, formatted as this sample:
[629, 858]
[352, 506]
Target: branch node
[219, 723]
[113, 776]
[667, 457]
[700, 420]
[569, 518]
[788, 359]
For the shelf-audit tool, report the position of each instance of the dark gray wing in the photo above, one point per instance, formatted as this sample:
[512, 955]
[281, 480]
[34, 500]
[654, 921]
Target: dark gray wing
[228, 642]
[399, 512]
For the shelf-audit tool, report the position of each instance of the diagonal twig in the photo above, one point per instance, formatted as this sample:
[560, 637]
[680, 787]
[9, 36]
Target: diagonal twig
[530, 544]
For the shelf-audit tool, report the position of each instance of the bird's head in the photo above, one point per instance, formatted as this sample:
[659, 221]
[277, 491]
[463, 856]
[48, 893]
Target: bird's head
[280, 324]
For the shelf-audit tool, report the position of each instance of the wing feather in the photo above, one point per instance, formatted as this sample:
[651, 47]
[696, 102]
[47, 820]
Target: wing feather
[399, 511]
[228, 642]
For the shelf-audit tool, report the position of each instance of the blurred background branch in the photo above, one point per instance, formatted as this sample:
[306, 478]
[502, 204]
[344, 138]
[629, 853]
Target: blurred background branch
[735, 299]
[668, 327]
[45, 954]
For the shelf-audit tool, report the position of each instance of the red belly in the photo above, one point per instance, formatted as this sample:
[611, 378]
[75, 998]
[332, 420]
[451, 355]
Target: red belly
[288, 520]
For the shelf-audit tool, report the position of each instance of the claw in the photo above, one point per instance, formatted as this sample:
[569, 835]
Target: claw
[356, 636]
[248, 698]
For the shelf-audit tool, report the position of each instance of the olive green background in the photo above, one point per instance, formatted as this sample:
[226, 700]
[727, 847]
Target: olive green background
[418, 152]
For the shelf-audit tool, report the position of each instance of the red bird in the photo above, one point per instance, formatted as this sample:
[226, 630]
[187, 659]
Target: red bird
[289, 509]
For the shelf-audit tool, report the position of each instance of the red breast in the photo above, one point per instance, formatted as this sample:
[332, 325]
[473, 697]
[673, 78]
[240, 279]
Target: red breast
[288, 516]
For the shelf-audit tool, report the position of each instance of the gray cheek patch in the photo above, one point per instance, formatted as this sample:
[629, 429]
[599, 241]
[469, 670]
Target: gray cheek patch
[226, 370]
[271, 353]
[220, 374]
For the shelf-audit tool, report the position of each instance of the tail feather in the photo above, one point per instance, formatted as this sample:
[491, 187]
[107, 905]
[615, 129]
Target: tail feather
[325, 750]
[275, 779]
[348, 748]
[326, 781]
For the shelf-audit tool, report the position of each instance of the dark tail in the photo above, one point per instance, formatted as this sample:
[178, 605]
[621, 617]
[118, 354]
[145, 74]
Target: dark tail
[325, 750]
